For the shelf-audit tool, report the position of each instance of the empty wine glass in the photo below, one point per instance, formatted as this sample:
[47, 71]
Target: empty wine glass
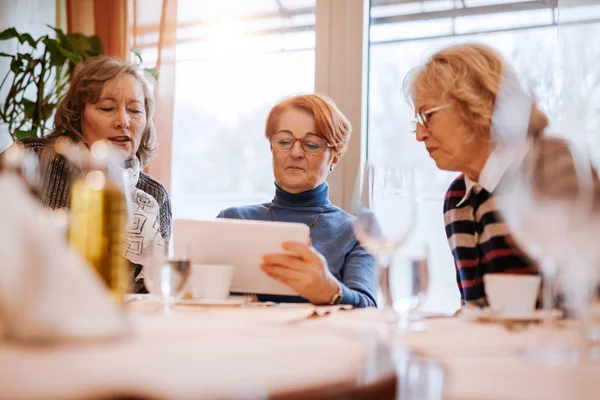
[409, 281]
[547, 198]
[166, 276]
[384, 205]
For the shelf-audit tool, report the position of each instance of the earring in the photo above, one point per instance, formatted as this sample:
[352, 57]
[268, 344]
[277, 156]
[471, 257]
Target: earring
[330, 169]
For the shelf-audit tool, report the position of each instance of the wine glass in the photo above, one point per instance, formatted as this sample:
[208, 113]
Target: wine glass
[166, 276]
[384, 205]
[548, 203]
[409, 281]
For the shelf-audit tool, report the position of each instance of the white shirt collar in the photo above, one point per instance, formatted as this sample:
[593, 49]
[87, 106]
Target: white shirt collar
[498, 162]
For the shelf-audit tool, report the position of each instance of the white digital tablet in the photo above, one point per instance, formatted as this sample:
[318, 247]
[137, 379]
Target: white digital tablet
[241, 243]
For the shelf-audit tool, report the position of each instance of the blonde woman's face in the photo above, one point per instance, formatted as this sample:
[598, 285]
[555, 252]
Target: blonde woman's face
[119, 116]
[450, 142]
[296, 171]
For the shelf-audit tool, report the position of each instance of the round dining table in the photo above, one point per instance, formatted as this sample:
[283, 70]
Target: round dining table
[213, 352]
[256, 351]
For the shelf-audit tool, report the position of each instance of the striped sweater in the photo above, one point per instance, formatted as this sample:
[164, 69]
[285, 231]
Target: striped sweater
[479, 240]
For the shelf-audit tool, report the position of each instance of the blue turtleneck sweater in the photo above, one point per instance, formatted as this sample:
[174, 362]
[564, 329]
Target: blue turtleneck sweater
[332, 236]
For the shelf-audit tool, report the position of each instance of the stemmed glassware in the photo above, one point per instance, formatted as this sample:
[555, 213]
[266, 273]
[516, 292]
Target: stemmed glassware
[385, 209]
[548, 202]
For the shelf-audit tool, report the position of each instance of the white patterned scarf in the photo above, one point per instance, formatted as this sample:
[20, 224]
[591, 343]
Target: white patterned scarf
[143, 240]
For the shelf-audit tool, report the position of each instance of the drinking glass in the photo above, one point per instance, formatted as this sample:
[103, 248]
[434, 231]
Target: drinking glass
[548, 203]
[166, 276]
[409, 281]
[419, 377]
[385, 209]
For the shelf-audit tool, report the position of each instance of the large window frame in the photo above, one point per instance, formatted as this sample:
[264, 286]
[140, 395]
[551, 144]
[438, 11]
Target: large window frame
[342, 62]
[342, 29]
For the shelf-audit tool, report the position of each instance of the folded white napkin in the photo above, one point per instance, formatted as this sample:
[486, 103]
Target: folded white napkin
[47, 291]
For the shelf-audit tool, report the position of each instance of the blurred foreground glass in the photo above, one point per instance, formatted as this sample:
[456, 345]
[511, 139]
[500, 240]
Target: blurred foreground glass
[166, 276]
[17, 159]
[385, 209]
[419, 377]
[549, 202]
[98, 216]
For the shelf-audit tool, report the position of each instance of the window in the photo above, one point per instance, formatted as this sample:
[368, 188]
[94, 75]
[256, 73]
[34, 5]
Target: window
[236, 58]
[232, 66]
[577, 97]
[404, 33]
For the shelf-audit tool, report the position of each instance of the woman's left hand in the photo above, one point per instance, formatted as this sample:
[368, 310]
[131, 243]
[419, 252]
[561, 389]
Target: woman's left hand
[304, 269]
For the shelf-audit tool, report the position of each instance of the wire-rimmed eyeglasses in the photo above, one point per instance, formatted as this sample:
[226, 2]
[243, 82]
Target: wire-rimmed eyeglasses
[311, 144]
[422, 117]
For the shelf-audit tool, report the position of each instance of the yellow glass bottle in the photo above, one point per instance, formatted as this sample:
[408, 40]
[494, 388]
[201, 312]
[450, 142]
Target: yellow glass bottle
[97, 228]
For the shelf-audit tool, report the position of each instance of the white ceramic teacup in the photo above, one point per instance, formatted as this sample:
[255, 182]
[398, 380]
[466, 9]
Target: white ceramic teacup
[210, 281]
[512, 295]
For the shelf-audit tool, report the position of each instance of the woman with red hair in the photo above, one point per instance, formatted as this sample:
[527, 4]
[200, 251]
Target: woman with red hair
[308, 136]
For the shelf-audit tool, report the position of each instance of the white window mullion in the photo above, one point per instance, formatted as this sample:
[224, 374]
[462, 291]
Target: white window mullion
[340, 72]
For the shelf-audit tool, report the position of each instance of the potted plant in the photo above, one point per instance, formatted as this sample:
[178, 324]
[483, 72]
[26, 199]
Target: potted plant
[39, 75]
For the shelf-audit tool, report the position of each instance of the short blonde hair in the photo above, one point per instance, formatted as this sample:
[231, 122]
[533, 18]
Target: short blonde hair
[468, 76]
[331, 124]
[85, 88]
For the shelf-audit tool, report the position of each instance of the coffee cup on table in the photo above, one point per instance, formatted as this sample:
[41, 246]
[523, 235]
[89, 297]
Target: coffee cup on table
[210, 281]
[512, 295]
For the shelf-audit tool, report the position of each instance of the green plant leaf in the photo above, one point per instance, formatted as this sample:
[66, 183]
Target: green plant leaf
[16, 65]
[21, 134]
[137, 55]
[76, 58]
[28, 107]
[97, 47]
[26, 37]
[60, 35]
[152, 71]
[79, 44]
[58, 54]
[9, 34]
[47, 110]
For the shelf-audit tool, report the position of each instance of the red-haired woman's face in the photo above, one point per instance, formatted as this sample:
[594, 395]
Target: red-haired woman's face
[295, 170]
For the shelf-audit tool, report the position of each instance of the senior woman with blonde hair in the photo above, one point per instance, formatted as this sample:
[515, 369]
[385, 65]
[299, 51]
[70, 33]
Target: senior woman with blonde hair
[308, 135]
[455, 97]
[109, 100]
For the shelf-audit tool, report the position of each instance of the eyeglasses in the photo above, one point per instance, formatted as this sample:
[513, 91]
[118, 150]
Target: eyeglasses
[422, 117]
[311, 144]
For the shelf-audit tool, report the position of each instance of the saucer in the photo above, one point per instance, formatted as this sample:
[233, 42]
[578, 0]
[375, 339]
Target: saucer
[489, 315]
[236, 301]
[129, 297]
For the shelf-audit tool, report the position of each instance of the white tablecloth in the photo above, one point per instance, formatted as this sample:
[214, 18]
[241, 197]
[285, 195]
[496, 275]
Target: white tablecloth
[191, 353]
[485, 360]
[231, 352]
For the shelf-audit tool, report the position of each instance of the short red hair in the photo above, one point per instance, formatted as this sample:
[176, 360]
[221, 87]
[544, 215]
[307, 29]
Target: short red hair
[331, 124]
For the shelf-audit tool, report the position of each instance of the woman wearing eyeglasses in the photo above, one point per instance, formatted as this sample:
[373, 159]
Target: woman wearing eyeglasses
[308, 136]
[454, 94]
